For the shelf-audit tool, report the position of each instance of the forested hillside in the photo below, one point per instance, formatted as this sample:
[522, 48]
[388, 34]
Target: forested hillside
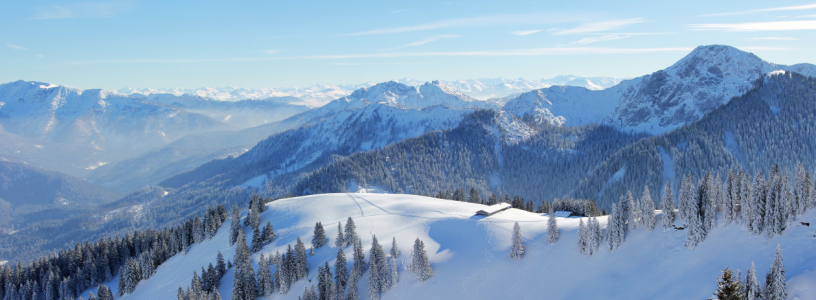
[771, 124]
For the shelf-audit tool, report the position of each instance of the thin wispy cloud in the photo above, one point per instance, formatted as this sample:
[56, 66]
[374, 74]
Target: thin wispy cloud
[599, 26]
[39, 55]
[16, 47]
[425, 41]
[499, 53]
[82, 10]
[271, 52]
[396, 11]
[758, 26]
[602, 38]
[772, 38]
[536, 18]
[785, 8]
[524, 32]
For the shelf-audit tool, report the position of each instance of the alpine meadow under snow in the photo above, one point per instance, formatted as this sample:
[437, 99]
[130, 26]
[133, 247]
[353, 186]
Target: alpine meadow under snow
[470, 259]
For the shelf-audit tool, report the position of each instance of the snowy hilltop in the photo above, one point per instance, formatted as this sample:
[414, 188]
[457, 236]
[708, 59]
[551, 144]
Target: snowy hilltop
[468, 256]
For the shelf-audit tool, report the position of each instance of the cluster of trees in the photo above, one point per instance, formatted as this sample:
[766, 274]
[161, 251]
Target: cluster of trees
[177, 240]
[206, 286]
[578, 207]
[765, 206]
[134, 256]
[731, 287]
[589, 236]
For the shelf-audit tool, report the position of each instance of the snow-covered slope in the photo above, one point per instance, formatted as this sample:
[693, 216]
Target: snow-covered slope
[469, 254]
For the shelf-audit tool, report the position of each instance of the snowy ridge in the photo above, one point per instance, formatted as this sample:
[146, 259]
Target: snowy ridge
[469, 254]
[700, 82]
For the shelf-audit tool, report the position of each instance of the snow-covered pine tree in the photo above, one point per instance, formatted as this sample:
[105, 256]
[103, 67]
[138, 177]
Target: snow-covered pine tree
[353, 292]
[350, 234]
[685, 198]
[775, 279]
[613, 228]
[728, 287]
[359, 257]
[196, 290]
[667, 206]
[376, 260]
[474, 196]
[394, 250]
[695, 233]
[319, 237]
[582, 237]
[517, 246]
[220, 266]
[420, 264]
[340, 241]
[552, 228]
[725, 194]
[756, 220]
[774, 203]
[301, 260]
[341, 273]
[627, 210]
[265, 285]
[706, 193]
[235, 226]
[257, 240]
[745, 190]
[597, 235]
[647, 210]
[752, 290]
[198, 230]
[325, 285]
[268, 233]
[799, 204]
[394, 273]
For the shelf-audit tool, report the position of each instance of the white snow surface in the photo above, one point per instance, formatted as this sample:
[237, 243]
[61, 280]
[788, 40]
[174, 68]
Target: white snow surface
[469, 254]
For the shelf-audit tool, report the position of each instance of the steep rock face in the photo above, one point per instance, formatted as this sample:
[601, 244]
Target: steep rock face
[95, 118]
[700, 82]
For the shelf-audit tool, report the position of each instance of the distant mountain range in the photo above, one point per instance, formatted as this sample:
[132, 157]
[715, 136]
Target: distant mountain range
[317, 95]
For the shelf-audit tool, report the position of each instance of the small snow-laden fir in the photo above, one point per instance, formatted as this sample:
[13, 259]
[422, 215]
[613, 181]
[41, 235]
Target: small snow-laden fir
[517, 248]
[775, 279]
[552, 228]
[667, 207]
[420, 263]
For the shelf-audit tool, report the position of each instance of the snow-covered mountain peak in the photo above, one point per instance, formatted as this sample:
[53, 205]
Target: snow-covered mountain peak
[703, 80]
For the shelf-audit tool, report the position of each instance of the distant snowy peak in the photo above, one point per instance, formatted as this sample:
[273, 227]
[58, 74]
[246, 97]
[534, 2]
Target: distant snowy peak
[705, 79]
[315, 96]
[562, 105]
[427, 95]
[486, 88]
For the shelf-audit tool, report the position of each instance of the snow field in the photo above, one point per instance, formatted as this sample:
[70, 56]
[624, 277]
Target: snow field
[469, 254]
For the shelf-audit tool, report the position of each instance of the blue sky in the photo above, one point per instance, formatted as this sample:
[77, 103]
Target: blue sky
[190, 44]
